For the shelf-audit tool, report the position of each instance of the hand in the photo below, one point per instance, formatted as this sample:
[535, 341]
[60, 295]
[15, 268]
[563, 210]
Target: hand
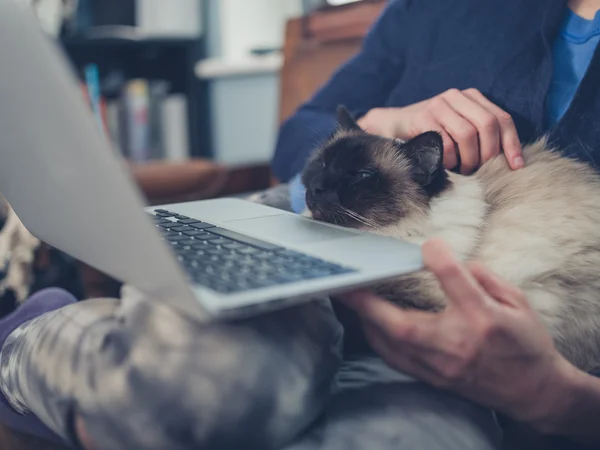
[474, 130]
[488, 345]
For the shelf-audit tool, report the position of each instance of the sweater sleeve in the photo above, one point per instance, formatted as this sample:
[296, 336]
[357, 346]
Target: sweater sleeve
[361, 84]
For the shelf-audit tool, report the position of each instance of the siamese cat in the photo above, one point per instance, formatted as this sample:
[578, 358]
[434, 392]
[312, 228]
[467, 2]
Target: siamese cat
[538, 227]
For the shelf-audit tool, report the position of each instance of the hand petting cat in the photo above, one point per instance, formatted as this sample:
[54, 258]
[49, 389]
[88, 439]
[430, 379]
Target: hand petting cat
[474, 129]
[488, 345]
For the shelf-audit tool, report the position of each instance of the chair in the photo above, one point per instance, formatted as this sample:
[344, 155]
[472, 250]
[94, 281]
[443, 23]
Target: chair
[318, 44]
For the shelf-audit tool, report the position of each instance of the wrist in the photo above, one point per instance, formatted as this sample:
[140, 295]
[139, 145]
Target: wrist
[559, 408]
[544, 409]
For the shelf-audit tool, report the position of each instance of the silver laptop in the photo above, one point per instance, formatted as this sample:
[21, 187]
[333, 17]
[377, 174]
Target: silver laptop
[211, 259]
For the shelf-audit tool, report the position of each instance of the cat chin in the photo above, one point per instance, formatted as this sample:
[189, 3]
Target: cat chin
[307, 213]
[316, 215]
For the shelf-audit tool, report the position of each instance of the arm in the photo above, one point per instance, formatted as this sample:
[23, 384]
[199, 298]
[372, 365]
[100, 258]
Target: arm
[361, 84]
[574, 409]
[488, 346]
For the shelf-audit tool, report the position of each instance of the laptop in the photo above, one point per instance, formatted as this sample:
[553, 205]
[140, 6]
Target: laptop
[224, 258]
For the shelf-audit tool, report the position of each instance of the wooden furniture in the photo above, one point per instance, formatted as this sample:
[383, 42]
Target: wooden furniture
[316, 45]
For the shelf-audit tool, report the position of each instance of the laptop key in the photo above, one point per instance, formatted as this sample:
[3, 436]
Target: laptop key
[219, 241]
[180, 228]
[189, 231]
[202, 226]
[188, 221]
[167, 224]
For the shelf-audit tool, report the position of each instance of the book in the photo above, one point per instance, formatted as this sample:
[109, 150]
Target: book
[146, 121]
[175, 128]
[137, 112]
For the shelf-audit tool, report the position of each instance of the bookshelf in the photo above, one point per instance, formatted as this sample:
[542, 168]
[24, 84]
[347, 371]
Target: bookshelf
[168, 59]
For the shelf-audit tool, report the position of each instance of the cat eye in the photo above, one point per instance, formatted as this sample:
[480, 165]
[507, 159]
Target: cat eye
[363, 174]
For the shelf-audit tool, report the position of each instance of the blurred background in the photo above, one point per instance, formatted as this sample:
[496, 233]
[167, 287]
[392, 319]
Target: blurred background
[192, 94]
[181, 78]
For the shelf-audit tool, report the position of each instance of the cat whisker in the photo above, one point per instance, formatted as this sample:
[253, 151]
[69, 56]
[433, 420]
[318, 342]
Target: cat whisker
[359, 218]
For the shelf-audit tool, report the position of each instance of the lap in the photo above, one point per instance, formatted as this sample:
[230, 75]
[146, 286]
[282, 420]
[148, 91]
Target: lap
[376, 408]
[182, 385]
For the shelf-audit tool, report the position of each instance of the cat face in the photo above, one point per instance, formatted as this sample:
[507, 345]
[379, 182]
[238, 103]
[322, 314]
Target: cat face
[361, 180]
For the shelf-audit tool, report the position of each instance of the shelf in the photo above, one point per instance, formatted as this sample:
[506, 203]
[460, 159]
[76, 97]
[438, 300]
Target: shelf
[127, 36]
[254, 65]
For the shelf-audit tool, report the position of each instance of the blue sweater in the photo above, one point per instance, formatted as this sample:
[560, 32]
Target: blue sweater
[420, 48]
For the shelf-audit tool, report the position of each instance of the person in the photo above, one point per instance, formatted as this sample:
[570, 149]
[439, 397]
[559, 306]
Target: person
[487, 76]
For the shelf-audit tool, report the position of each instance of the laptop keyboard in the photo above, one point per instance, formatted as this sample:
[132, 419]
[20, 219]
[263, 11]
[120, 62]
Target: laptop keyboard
[229, 262]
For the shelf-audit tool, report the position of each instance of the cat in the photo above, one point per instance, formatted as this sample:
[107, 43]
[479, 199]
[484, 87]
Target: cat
[537, 227]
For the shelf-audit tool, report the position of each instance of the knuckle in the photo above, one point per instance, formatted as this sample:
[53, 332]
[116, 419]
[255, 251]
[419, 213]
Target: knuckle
[466, 132]
[436, 103]
[505, 118]
[489, 123]
[474, 92]
[452, 93]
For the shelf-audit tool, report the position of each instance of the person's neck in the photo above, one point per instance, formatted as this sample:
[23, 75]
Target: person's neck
[585, 8]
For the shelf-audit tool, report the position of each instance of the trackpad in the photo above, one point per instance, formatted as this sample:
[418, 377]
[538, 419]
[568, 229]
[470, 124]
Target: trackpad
[293, 230]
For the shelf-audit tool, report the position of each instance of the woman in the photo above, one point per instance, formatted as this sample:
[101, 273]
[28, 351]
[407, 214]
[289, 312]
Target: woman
[461, 66]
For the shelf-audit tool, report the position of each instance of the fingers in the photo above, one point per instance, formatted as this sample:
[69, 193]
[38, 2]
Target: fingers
[485, 122]
[509, 138]
[461, 288]
[496, 287]
[411, 327]
[400, 356]
[451, 159]
[461, 130]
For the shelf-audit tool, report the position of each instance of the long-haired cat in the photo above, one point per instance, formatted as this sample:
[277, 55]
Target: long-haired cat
[538, 227]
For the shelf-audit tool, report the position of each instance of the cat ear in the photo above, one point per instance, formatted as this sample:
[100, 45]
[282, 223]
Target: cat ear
[426, 152]
[346, 120]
